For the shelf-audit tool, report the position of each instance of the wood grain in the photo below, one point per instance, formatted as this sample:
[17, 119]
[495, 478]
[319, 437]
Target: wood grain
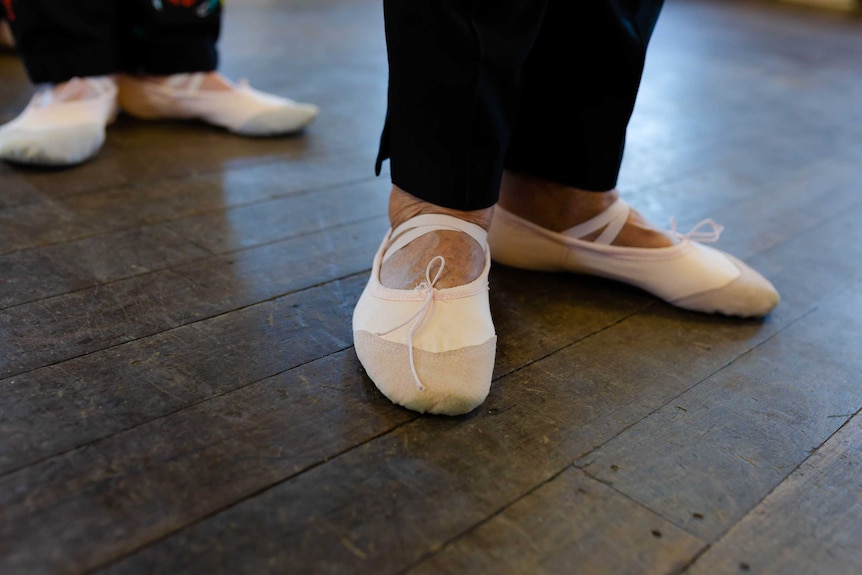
[179, 394]
[811, 523]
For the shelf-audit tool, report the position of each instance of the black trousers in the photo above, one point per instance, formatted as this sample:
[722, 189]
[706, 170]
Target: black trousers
[543, 87]
[60, 39]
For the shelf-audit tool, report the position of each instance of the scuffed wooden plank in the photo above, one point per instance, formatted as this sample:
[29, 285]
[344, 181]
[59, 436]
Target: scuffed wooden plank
[572, 524]
[811, 523]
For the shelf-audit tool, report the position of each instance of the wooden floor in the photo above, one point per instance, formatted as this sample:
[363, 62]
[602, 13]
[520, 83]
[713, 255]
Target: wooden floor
[178, 387]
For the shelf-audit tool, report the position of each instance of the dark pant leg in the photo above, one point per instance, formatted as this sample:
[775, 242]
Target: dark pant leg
[60, 39]
[165, 37]
[580, 84]
[454, 74]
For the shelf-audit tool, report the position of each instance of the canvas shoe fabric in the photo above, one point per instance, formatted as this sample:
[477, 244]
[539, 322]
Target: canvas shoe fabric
[59, 127]
[688, 274]
[430, 350]
[240, 109]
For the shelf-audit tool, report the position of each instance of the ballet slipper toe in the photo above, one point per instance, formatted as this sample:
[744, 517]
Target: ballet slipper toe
[51, 147]
[456, 381]
[285, 119]
[688, 274]
[53, 131]
[430, 350]
[749, 295]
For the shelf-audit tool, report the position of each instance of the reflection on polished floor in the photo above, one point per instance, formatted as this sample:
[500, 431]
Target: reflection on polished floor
[179, 392]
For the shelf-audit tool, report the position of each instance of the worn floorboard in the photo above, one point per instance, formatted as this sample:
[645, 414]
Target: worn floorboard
[179, 392]
[822, 500]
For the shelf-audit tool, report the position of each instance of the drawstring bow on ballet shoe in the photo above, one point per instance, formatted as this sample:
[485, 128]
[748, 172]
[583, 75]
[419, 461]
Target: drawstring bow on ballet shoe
[695, 233]
[417, 318]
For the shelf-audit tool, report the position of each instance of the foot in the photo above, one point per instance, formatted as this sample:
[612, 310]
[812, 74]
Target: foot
[544, 226]
[62, 125]
[465, 259]
[427, 339]
[212, 98]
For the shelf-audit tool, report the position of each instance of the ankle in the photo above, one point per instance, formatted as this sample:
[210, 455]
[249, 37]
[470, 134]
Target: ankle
[558, 207]
[215, 81]
[465, 259]
[553, 206]
[199, 80]
[403, 206]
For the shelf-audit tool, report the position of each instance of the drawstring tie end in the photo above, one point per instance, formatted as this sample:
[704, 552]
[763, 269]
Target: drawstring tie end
[418, 318]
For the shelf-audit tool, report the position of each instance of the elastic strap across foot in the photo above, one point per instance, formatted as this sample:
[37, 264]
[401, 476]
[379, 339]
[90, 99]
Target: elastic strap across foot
[418, 226]
[612, 220]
